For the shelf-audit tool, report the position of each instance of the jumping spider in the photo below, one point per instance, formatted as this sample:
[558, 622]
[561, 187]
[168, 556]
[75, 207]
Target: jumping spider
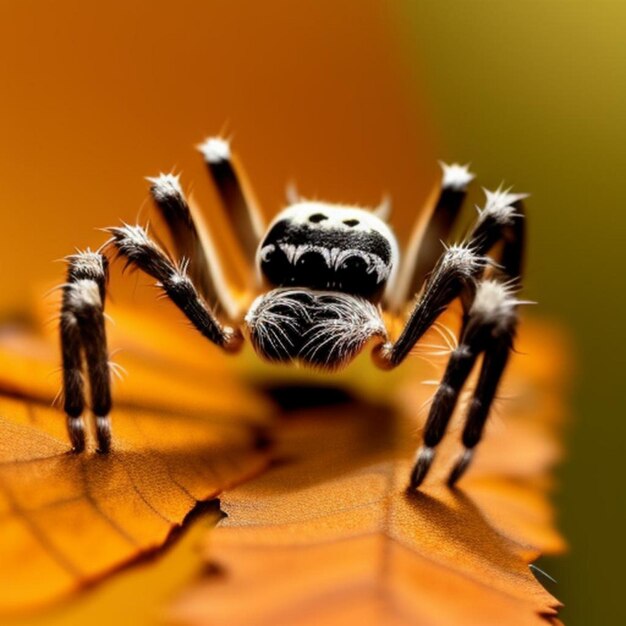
[328, 269]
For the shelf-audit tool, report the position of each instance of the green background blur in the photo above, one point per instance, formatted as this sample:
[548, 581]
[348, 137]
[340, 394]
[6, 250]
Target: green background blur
[536, 92]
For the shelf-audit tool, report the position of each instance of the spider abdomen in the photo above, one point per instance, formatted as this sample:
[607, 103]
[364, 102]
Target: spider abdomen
[322, 329]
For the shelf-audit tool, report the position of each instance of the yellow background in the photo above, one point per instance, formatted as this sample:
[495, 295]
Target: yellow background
[535, 91]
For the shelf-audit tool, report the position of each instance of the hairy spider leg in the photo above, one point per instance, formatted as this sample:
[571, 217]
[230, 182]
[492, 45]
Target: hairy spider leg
[458, 269]
[192, 243]
[82, 324]
[423, 248]
[489, 329]
[231, 183]
[488, 304]
[83, 335]
[496, 356]
[502, 220]
[134, 244]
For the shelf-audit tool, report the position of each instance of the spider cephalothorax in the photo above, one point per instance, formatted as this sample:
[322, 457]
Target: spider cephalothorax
[324, 273]
[330, 247]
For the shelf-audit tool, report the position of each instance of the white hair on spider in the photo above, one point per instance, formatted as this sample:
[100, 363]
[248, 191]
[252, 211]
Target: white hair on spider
[339, 333]
[455, 176]
[87, 263]
[462, 258]
[164, 186]
[83, 294]
[328, 216]
[495, 303]
[215, 149]
[500, 205]
[133, 236]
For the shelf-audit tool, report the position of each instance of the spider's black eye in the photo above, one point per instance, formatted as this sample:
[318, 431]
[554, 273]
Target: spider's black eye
[317, 217]
[312, 270]
[276, 266]
[353, 267]
[351, 222]
[355, 278]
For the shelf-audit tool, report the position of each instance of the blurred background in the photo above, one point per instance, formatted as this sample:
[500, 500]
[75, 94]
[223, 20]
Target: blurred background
[351, 99]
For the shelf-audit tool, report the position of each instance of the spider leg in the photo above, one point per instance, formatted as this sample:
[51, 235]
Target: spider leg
[423, 249]
[231, 183]
[192, 241]
[502, 220]
[460, 267]
[133, 243]
[83, 335]
[82, 325]
[488, 329]
[495, 359]
[456, 272]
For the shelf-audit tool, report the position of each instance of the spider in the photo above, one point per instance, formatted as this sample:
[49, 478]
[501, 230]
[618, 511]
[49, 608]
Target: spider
[324, 272]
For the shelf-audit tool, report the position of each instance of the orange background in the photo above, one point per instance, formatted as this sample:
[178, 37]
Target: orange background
[95, 97]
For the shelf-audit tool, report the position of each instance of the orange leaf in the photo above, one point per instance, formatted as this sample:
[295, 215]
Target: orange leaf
[66, 519]
[329, 535]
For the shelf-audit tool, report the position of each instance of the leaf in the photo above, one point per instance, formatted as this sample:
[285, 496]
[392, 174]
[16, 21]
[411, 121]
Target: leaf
[329, 535]
[67, 519]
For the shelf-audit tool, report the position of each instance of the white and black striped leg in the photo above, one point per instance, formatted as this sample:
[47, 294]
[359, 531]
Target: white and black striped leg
[496, 356]
[511, 261]
[96, 354]
[456, 272]
[73, 385]
[172, 204]
[238, 199]
[500, 223]
[133, 243]
[502, 219]
[83, 336]
[192, 242]
[488, 328]
[424, 247]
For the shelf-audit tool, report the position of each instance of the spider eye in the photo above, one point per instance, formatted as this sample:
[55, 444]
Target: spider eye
[353, 265]
[351, 222]
[312, 270]
[275, 265]
[317, 217]
[355, 276]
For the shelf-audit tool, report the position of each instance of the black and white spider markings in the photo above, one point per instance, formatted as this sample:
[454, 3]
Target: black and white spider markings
[327, 271]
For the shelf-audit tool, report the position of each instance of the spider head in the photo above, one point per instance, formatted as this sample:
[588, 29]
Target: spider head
[328, 247]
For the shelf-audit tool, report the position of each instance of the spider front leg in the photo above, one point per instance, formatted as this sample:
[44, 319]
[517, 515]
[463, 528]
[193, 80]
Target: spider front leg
[82, 327]
[488, 329]
[489, 324]
[83, 336]
[133, 243]
[503, 322]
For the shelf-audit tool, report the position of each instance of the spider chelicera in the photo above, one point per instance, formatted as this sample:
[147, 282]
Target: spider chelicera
[327, 270]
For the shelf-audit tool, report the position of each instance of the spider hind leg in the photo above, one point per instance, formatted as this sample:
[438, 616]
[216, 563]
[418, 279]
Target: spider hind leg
[230, 182]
